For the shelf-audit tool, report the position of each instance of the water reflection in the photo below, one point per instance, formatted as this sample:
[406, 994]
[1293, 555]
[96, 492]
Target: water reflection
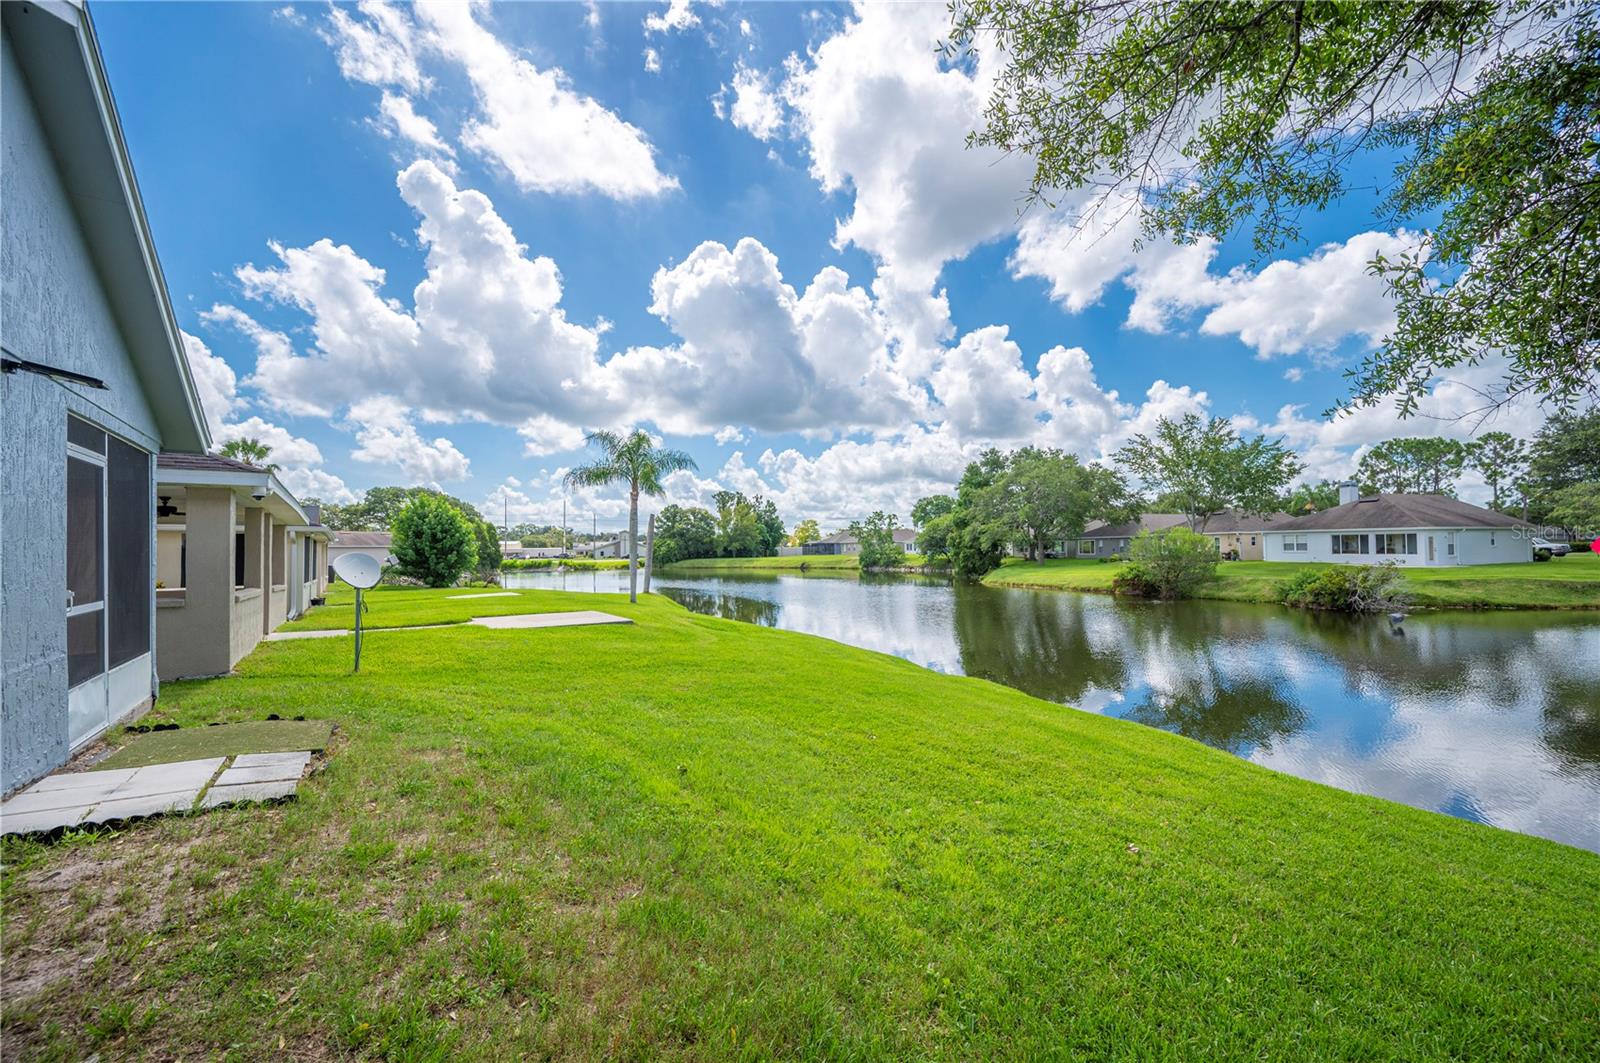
[1494, 716]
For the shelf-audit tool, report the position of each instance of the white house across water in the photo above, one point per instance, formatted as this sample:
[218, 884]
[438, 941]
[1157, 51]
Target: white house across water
[1427, 530]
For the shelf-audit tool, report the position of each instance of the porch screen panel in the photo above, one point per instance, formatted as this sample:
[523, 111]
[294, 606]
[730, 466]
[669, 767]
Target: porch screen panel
[83, 646]
[128, 534]
[84, 576]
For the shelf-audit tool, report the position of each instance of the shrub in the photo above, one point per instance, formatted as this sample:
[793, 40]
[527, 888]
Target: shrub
[1167, 564]
[1542, 554]
[1348, 589]
[434, 541]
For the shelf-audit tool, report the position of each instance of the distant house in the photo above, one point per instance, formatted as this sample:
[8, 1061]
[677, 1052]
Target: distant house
[377, 545]
[95, 384]
[843, 542]
[1100, 539]
[513, 550]
[236, 556]
[1234, 532]
[1242, 535]
[1409, 529]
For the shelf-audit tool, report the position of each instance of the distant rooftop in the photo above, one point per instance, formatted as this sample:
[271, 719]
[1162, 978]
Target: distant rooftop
[1401, 511]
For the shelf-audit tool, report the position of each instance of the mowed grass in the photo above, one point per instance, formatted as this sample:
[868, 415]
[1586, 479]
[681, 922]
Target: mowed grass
[694, 839]
[1571, 582]
[412, 606]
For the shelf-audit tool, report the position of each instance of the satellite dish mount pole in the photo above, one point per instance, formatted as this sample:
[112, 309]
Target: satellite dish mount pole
[360, 605]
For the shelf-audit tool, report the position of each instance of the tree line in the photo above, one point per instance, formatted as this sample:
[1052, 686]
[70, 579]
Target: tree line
[739, 527]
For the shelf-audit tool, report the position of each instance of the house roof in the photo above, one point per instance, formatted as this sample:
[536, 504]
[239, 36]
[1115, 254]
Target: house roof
[204, 463]
[361, 538]
[1400, 511]
[1127, 530]
[210, 470]
[903, 536]
[1236, 521]
[59, 55]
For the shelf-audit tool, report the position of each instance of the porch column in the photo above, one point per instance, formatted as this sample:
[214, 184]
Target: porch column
[193, 639]
[255, 559]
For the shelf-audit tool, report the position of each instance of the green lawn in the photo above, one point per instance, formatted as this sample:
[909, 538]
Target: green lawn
[694, 839]
[409, 606]
[1571, 582]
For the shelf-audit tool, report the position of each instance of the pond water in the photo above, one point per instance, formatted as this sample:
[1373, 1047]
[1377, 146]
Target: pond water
[1494, 717]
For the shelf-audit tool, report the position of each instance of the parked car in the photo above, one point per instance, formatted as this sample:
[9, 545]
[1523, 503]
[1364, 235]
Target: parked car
[1556, 549]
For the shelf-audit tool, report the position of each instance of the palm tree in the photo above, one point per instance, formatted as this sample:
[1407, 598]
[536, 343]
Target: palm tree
[637, 460]
[250, 451]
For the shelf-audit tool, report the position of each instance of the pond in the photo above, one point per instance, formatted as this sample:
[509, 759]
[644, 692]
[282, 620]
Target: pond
[1494, 717]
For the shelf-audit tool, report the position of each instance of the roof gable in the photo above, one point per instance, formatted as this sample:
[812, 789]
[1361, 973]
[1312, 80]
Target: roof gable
[59, 56]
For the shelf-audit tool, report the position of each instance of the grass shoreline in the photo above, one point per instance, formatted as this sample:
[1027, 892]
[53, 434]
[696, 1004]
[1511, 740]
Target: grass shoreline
[1570, 583]
[520, 847]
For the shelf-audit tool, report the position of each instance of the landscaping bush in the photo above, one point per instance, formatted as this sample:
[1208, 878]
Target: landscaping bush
[1348, 589]
[434, 541]
[1166, 564]
[1541, 554]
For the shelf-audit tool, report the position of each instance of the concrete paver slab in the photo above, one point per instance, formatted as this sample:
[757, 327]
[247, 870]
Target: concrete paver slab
[252, 791]
[73, 780]
[166, 778]
[268, 767]
[144, 804]
[28, 822]
[578, 618]
[33, 800]
[297, 760]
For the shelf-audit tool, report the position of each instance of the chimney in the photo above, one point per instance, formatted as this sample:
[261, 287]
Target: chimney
[1348, 492]
[313, 512]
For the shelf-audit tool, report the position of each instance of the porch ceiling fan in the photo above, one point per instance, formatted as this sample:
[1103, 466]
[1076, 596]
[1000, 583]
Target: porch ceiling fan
[167, 509]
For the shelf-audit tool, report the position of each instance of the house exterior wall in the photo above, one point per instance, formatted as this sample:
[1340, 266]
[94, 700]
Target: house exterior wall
[1250, 546]
[1473, 547]
[194, 628]
[53, 309]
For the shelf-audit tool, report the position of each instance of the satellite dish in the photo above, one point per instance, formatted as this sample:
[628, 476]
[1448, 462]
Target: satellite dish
[361, 571]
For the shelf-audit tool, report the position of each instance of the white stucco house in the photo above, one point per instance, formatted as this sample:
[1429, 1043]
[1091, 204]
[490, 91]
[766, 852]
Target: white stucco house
[1427, 530]
[95, 384]
[377, 545]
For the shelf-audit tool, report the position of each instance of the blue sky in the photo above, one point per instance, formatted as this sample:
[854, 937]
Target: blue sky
[434, 244]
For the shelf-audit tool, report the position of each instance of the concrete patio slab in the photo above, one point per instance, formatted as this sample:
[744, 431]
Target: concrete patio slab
[80, 797]
[142, 805]
[30, 822]
[250, 791]
[77, 780]
[494, 594]
[287, 636]
[264, 768]
[578, 618]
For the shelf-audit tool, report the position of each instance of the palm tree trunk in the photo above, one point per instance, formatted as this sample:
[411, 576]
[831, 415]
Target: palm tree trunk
[633, 543]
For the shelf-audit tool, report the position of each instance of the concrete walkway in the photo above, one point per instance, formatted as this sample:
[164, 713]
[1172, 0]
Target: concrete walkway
[81, 798]
[576, 618]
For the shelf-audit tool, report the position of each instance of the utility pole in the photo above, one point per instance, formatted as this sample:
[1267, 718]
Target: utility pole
[563, 524]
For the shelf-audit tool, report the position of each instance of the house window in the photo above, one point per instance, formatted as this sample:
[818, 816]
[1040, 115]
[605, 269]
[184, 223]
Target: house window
[1397, 543]
[1087, 546]
[1295, 544]
[1450, 547]
[1351, 544]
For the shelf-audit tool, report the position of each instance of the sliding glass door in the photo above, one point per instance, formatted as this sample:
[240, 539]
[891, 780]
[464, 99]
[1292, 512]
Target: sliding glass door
[109, 587]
